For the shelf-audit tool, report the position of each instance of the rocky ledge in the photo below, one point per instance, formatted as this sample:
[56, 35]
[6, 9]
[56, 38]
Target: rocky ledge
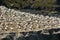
[30, 36]
[17, 25]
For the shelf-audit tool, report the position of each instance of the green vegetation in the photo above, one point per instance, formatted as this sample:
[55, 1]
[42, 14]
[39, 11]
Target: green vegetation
[44, 5]
[31, 3]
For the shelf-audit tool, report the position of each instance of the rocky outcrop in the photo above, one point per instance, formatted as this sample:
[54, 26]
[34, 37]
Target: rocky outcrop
[32, 36]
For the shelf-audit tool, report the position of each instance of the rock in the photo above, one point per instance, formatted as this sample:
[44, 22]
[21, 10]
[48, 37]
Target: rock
[9, 37]
[33, 36]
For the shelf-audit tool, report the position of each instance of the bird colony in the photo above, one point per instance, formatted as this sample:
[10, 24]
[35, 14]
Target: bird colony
[16, 21]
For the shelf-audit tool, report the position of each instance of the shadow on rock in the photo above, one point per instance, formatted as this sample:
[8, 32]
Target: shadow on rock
[35, 35]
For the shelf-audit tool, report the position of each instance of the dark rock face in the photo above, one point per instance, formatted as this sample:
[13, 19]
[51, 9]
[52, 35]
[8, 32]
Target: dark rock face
[58, 2]
[21, 38]
[1, 1]
[34, 36]
[58, 9]
[9, 37]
